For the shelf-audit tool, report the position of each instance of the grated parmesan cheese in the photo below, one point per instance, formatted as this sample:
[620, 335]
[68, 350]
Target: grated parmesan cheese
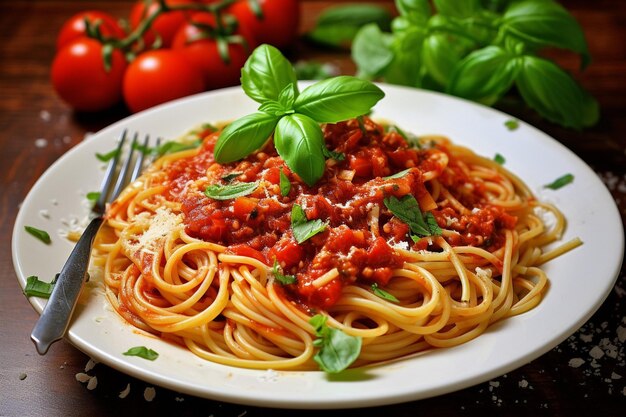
[162, 224]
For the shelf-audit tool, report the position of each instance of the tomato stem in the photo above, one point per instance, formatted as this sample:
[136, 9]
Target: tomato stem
[136, 35]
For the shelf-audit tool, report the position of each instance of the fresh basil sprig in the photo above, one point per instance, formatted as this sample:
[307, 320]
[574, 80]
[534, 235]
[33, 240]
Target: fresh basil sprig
[293, 117]
[337, 350]
[480, 50]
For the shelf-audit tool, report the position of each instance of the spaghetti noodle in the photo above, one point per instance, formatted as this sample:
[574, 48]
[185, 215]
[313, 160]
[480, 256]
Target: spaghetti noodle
[208, 272]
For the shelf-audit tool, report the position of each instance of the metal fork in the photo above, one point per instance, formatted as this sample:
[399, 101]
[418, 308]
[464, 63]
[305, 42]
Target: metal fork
[55, 318]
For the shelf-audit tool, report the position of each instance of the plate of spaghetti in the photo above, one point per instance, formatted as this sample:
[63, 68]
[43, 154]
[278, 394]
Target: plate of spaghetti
[433, 252]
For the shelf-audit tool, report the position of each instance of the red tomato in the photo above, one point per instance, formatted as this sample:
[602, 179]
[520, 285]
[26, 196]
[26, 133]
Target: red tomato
[80, 78]
[287, 253]
[204, 53]
[165, 24]
[279, 24]
[157, 76]
[74, 27]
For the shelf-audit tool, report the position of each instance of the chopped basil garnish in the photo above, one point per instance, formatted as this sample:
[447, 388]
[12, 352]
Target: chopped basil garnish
[36, 288]
[173, 147]
[511, 124]
[283, 279]
[499, 159]
[337, 156]
[230, 191]
[560, 182]
[93, 196]
[337, 350]
[411, 139]
[398, 174]
[39, 234]
[231, 176]
[408, 210]
[285, 184]
[383, 294]
[106, 157]
[142, 352]
[303, 228]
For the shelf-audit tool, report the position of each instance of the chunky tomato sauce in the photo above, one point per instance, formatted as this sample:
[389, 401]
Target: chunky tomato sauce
[361, 237]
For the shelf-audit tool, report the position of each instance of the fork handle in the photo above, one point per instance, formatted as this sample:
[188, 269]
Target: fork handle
[56, 315]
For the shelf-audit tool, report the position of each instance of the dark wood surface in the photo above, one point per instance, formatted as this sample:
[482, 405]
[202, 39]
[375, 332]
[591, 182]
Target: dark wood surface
[33, 385]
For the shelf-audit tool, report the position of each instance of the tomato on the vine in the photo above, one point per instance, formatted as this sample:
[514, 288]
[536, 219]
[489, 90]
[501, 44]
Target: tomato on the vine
[157, 76]
[277, 25]
[75, 28]
[165, 25]
[80, 78]
[201, 48]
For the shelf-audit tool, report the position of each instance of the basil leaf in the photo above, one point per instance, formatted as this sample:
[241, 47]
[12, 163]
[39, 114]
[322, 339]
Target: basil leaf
[545, 23]
[230, 191]
[416, 10]
[337, 156]
[407, 209]
[406, 67]
[285, 184]
[371, 51]
[459, 9]
[244, 136]
[511, 124]
[484, 75]
[142, 352]
[39, 234]
[337, 99]
[383, 294]
[106, 157]
[274, 108]
[231, 176]
[398, 174]
[299, 141]
[173, 147]
[440, 55]
[354, 14]
[554, 94]
[314, 70]
[282, 279]
[560, 182]
[36, 288]
[337, 26]
[499, 159]
[287, 96]
[93, 196]
[302, 228]
[266, 73]
[337, 349]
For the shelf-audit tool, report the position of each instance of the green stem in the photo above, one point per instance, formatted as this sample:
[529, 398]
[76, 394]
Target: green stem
[214, 8]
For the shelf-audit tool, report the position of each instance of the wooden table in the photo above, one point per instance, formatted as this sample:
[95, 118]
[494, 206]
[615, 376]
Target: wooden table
[33, 385]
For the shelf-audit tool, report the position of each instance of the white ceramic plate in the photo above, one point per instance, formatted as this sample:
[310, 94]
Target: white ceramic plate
[579, 281]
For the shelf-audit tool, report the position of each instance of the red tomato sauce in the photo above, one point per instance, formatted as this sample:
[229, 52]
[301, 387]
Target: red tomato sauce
[346, 199]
